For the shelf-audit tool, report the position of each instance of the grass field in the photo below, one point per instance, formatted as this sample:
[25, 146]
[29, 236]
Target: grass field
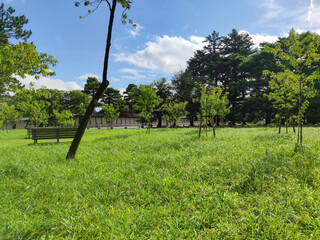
[124, 184]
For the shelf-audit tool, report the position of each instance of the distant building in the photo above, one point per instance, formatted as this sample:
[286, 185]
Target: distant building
[97, 120]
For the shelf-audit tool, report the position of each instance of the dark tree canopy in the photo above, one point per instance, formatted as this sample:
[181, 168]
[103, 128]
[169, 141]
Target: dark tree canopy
[12, 26]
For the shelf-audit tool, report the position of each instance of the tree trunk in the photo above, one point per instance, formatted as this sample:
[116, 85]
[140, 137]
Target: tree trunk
[292, 122]
[159, 122]
[280, 125]
[213, 128]
[191, 121]
[104, 84]
[200, 125]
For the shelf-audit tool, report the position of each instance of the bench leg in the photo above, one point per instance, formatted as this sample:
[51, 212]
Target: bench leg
[57, 140]
[35, 141]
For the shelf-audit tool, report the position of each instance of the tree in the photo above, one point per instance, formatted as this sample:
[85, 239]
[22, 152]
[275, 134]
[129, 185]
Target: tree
[213, 103]
[113, 97]
[163, 91]
[256, 105]
[12, 26]
[34, 104]
[298, 57]
[183, 87]
[145, 103]
[64, 118]
[129, 96]
[76, 101]
[237, 47]
[126, 4]
[22, 58]
[91, 86]
[110, 114]
[220, 63]
[8, 115]
[172, 111]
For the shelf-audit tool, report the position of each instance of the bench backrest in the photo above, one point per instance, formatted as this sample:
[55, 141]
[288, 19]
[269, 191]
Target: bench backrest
[53, 133]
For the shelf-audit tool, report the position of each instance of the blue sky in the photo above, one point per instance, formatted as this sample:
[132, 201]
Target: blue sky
[168, 33]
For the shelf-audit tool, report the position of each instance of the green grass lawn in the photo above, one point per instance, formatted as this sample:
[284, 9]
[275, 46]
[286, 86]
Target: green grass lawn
[124, 184]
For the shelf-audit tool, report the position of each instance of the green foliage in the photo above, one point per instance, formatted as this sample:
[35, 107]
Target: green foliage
[64, 118]
[12, 26]
[183, 87]
[222, 62]
[296, 63]
[76, 101]
[249, 184]
[94, 4]
[8, 114]
[113, 97]
[34, 104]
[22, 59]
[19, 59]
[299, 59]
[129, 96]
[111, 114]
[91, 86]
[145, 102]
[172, 111]
[213, 103]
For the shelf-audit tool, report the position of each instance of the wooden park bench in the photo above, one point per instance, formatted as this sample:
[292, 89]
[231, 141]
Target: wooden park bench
[52, 133]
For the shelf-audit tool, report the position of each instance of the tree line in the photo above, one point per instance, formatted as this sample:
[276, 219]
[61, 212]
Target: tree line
[258, 80]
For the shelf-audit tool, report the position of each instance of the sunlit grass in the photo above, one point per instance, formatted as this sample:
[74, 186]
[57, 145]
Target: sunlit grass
[124, 184]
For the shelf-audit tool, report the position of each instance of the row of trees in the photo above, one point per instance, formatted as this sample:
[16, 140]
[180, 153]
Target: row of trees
[262, 83]
[152, 102]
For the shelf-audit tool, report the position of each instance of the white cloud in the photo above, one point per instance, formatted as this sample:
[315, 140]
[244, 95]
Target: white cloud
[260, 38]
[272, 11]
[133, 77]
[168, 54]
[132, 71]
[135, 31]
[134, 74]
[49, 83]
[85, 76]
[313, 16]
[286, 14]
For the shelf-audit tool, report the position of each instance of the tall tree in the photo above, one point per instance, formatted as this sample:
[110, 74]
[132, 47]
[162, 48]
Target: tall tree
[12, 26]
[114, 97]
[126, 4]
[129, 96]
[256, 105]
[183, 84]
[91, 86]
[163, 91]
[237, 47]
[21, 58]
